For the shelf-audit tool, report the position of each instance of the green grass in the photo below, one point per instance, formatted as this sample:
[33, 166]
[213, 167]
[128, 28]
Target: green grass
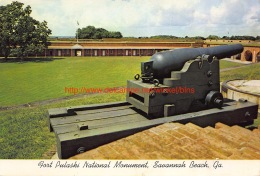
[247, 73]
[227, 64]
[24, 132]
[34, 81]
[27, 82]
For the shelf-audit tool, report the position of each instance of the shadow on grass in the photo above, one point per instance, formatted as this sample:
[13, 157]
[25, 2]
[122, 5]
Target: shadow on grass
[30, 59]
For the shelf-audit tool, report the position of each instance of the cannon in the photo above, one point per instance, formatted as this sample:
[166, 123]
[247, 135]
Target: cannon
[180, 81]
[163, 63]
[180, 85]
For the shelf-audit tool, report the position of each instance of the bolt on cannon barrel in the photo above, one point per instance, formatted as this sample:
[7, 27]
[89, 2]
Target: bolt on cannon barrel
[163, 63]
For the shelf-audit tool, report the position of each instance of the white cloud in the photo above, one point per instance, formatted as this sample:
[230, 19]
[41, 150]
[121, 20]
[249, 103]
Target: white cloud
[228, 12]
[150, 17]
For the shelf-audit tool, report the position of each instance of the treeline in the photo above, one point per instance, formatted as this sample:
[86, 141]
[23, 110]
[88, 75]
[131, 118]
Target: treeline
[175, 37]
[90, 32]
[210, 37]
[236, 37]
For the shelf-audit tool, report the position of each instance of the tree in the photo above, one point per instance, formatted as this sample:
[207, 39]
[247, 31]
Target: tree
[101, 33]
[213, 37]
[115, 35]
[20, 34]
[90, 32]
[245, 37]
[199, 38]
[225, 37]
[87, 32]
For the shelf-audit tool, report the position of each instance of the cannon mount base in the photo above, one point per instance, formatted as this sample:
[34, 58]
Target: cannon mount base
[82, 128]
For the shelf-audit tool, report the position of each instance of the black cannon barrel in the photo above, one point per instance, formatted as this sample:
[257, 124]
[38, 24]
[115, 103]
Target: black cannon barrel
[162, 63]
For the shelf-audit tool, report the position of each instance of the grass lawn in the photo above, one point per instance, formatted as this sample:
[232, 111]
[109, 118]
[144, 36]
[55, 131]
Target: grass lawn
[249, 72]
[24, 132]
[227, 64]
[33, 81]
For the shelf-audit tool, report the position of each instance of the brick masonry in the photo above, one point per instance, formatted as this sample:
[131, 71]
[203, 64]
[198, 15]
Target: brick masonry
[178, 141]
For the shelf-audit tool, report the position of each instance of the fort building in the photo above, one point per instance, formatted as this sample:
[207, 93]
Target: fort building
[140, 48]
[122, 48]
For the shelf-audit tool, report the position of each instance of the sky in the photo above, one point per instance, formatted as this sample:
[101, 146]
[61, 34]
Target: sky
[145, 18]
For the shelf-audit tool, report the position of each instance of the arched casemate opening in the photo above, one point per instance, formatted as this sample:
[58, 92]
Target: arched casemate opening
[248, 55]
[258, 57]
[237, 57]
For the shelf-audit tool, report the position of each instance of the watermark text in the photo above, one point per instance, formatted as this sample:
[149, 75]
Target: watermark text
[159, 90]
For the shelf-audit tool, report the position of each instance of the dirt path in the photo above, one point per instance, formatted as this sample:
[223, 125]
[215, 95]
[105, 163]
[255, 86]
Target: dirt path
[45, 102]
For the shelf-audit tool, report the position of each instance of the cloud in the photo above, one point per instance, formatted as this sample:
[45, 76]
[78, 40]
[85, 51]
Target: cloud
[228, 12]
[150, 17]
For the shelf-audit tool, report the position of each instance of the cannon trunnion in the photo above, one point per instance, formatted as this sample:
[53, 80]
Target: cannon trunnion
[175, 86]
